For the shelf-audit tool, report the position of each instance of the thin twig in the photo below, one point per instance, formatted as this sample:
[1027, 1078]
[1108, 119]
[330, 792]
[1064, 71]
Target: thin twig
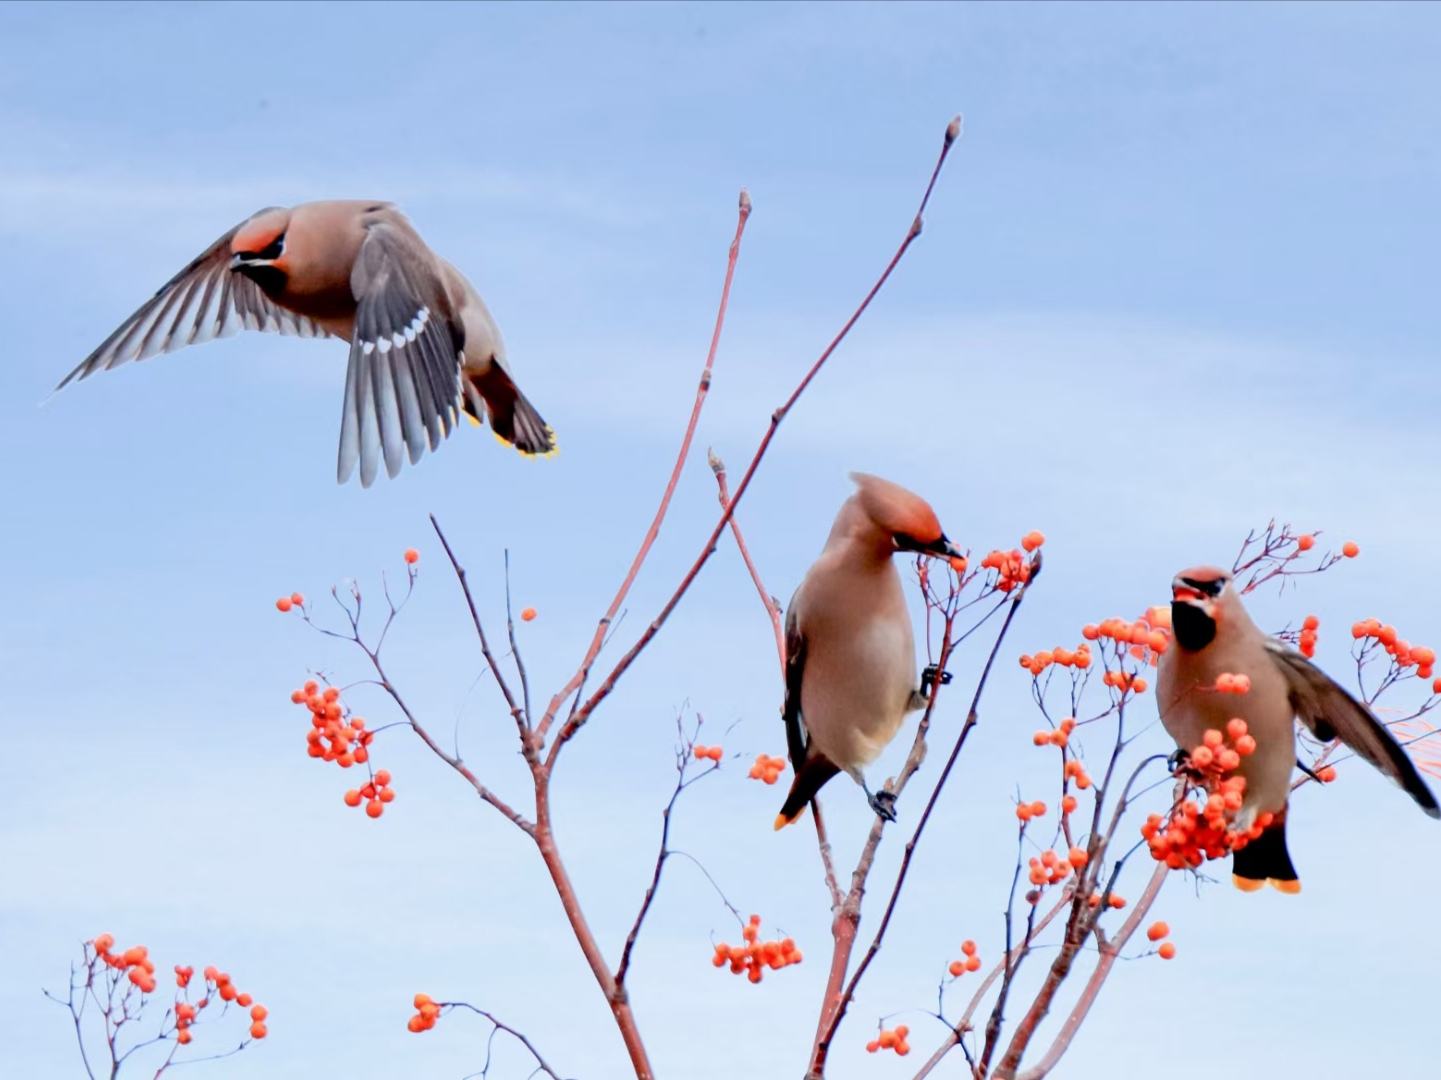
[607, 684]
[578, 679]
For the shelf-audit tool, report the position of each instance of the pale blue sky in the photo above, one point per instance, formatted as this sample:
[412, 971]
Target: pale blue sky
[1179, 277]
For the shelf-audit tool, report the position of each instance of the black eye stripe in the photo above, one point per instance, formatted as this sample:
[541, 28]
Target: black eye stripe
[1210, 588]
[273, 250]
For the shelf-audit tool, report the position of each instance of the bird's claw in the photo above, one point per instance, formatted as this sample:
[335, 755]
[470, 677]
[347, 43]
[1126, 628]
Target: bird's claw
[930, 676]
[1180, 764]
[884, 804]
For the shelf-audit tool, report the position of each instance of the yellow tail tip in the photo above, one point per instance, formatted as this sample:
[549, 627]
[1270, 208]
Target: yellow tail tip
[1290, 888]
[475, 422]
[1246, 884]
[782, 821]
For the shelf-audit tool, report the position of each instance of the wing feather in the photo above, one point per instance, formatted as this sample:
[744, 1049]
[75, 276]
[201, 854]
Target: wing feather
[1325, 707]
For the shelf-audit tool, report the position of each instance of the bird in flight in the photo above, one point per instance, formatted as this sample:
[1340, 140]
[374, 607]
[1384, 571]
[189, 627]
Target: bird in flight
[1214, 636]
[424, 349]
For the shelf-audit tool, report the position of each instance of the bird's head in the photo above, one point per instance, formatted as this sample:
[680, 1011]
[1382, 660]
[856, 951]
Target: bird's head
[904, 516]
[1196, 602]
[257, 249]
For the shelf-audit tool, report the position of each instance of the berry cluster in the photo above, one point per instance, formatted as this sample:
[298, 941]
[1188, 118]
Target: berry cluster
[426, 1014]
[1052, 868]
[1012, 567]
[374, 794]
[1147, 636]
[703, 753]
[1227, 683]
[1079, 658]
[1074, 770]
[134, 962]
[970, 960]
[755, 955]
[1402, 653]
[767, 768]
[1125, 682]
[294, 600]
[891, 1039]
[1307, 641]
[1059, 736]
[1193, 832]
[1115, 901]
[340, 736]
[1155, 932]
[1026, 811]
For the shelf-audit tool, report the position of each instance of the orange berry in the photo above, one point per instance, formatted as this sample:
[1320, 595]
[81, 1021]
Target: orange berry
[968, 947]
[957, 968]
[283, 604]
[258, 1012]
[958, 564]
[374, 808]
[416, 1024]
[873, 1046]
[1310, 623]
[973, 963]
[1326, 775]
[382, 777]
[1078, 857]
[1166, 951]
[387, 795]
[1033, 539]
[412, 556]
[211, 974]
[182, 1037]
[528, 614]
[1305, 542]
[1157, 931]
[297, 599]
[1068, 804]
[1236, 727]
[244, 1000]
[888, 1039]
[1117, 902]
[1245, 746]
[227, 992]
[1350, 549]
[1038, 809]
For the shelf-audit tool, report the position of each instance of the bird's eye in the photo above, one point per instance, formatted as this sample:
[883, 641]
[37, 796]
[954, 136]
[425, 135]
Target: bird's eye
[273, 249]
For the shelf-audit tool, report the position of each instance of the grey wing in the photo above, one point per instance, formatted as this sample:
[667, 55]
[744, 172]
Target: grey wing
[796, 738]
[1325, 707]
[402, 387]
[202, 302]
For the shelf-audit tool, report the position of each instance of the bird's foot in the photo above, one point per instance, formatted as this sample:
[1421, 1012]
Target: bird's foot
[931, 676]
[1180, 765]
[884, 804]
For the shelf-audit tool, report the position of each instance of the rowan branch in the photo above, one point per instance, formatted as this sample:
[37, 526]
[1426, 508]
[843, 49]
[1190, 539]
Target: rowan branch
[578, 720]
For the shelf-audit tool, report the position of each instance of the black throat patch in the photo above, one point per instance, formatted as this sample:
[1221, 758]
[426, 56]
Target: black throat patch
[271, 279]
[1194, 629]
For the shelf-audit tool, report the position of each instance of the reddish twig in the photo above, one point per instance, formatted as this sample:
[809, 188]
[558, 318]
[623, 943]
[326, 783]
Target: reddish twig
[579, 718]
[773, 611]
[1109, 951]
[836, 1005]
[541, 1066]
[577, 680]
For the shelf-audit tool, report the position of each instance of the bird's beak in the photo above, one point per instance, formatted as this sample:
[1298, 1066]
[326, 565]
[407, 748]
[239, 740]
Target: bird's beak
[941, 547]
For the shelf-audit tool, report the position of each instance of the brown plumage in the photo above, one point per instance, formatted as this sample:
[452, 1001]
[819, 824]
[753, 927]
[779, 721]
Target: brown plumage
[1215, 635]
[423, 346]
[850, 652]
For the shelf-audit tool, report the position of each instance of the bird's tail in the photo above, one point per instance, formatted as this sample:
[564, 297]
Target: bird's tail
[512, 417]
[809, 779]
[1265, 859]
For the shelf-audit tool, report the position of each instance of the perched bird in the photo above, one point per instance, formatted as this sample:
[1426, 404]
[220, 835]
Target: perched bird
[423, 347]
[850, 652]
[1215, 636]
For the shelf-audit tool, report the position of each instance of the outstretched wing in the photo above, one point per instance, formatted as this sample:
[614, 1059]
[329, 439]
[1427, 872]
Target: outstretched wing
[402, 388]
[202, 302]
[791, 711]
[1331, 713]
